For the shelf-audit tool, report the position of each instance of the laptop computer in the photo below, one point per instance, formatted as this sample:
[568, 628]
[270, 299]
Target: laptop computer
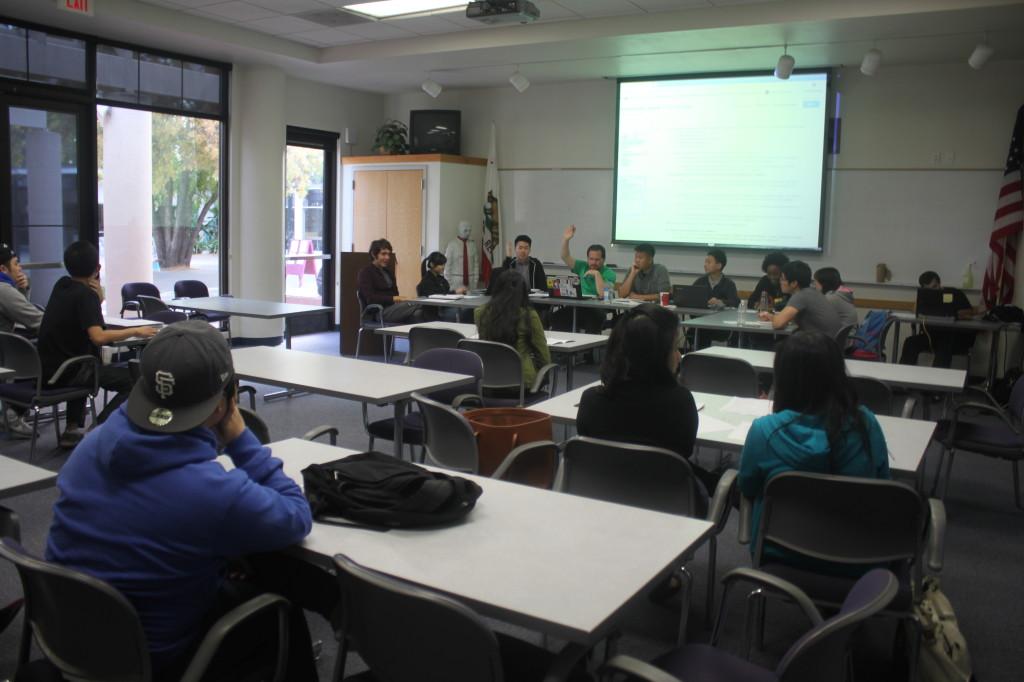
[936, 302]
[565, 286]
[689, 296]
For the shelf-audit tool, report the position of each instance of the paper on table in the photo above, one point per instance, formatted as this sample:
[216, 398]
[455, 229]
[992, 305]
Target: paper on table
[753, 407]
[709, 424]
[552, 341]
[447, 297]
[740, 432]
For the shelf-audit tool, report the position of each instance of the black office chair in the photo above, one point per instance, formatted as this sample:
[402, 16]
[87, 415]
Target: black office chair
[873, 394]
[822, 653]
[259, 428]
[88, 630]
[503, 375]
[130, 295]
[153, 308]
[10, 527]
[194, 288]
[405, 633]
[714, 374]
[843, 334]
[423, 338]
[649, 478]
[28, 389]
[371, 318]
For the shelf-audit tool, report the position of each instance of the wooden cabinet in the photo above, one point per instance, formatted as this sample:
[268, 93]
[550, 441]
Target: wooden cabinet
[388, 204]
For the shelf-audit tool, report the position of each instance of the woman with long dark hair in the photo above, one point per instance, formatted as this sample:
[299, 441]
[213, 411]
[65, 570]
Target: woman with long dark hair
[639, 399]
[816, 425]
[508, 318]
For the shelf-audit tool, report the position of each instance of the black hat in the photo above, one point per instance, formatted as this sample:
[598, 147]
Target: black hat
[184, 371]
[6, 254]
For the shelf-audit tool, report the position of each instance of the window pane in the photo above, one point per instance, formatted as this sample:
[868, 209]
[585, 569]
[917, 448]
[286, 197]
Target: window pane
[13, 62]
[117, 74]
[201, 86]
[159, 81]
[56, 60]
[44, 170]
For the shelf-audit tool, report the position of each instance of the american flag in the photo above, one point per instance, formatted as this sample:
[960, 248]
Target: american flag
[1009, 223]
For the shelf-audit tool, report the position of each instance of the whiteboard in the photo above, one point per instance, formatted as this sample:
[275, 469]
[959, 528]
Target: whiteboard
[912, 220]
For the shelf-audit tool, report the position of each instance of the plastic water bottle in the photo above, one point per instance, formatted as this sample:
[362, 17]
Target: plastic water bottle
[766, 304]
[741, 312]
[607, 294]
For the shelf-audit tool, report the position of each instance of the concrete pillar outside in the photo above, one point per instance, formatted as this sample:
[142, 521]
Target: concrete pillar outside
[45, 202]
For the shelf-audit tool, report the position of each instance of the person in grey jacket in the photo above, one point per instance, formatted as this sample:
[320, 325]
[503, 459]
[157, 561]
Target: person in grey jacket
[15, 308]
[830, 283]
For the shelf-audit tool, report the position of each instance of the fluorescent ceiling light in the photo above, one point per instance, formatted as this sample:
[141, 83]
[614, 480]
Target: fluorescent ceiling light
[385, 9]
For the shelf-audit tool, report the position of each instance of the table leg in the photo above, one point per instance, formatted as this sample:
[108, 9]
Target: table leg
[574, 319]
[399, 426]
[896, 342]
[288, 333]
[569, 371]
[993, 358]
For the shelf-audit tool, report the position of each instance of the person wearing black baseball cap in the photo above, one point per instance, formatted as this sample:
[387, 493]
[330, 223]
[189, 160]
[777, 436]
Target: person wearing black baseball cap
[15, 308]
[145, 505]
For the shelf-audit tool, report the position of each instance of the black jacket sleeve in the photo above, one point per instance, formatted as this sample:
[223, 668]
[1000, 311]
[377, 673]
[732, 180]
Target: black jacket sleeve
[540, 278]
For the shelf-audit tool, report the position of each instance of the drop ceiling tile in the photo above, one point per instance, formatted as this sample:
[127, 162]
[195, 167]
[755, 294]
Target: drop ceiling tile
[288, 6]
[667, 5]
[552, 10]
[238, 11]
[425, 25]
[194, 4]
[600, 8]
[739, 2]
[377, 30]
[325, 37]
[281, 25]
[163, 3]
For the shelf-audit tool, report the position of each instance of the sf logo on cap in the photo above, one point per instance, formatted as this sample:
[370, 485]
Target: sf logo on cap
[164, 384]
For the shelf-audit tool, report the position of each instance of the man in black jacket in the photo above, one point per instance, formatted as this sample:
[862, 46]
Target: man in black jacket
[522, 262]
[377, 284]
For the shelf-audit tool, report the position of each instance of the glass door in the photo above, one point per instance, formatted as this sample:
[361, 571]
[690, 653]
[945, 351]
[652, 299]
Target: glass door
[46, 144]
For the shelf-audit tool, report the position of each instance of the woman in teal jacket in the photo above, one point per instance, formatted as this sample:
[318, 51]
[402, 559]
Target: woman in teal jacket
[816, 426]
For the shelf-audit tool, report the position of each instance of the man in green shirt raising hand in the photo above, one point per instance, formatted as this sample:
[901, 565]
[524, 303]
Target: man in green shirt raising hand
[594, 277]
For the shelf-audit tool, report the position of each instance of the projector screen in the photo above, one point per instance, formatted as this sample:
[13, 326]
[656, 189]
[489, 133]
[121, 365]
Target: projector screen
[721, 160]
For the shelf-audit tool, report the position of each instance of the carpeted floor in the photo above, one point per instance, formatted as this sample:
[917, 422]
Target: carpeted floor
[983, 557]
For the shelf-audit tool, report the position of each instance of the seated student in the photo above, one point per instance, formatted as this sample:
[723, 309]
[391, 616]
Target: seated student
[771, 266]
[518, 258]
[816, 426]
[508, 318]
[145, 506]
[594, 276]
[73, 325]
[942, 342]
[646, 280]
[15, 308]
[433, 282]
[723, 289]
[828, 281]
[639, 399]
[377, 284]
[806, 307]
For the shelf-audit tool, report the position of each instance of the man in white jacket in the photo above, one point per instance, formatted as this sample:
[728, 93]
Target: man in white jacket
[15, 308]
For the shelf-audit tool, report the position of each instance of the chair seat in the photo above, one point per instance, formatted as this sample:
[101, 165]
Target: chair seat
[412, 429]
[994, 440]
[832, 589]
[703, 663]
[24, 393]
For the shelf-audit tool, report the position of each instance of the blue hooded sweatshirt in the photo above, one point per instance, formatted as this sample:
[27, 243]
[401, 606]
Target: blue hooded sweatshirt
[791, 441]
[156, 516]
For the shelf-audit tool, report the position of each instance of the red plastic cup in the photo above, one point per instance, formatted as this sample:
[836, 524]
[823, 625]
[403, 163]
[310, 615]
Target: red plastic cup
[664, 298]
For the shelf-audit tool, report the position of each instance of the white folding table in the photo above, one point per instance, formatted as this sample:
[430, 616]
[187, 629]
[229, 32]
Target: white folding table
[18, 478]
[245, 307]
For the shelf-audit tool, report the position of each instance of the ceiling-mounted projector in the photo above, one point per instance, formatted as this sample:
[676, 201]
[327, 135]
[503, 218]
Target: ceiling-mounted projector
[503, 11]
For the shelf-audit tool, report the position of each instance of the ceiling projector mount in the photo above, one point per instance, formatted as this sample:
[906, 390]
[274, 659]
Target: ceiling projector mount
[503, 11]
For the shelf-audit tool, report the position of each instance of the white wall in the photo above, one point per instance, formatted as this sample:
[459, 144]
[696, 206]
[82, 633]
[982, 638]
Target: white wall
[894, 123]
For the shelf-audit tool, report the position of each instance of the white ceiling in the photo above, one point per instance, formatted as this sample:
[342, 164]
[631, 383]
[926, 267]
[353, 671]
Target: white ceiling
[574, 40]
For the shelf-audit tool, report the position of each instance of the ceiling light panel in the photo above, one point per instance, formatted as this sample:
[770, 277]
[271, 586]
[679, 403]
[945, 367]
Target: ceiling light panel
[396, 8]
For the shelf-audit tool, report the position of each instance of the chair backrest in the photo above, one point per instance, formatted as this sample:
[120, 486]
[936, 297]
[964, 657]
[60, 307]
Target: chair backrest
[255, 423]
[10, 525]
[873, 394]
[843, 334]
[843, 519]
[1015, 405]
[83, 626]
[19, 354]
[423, 339]
[453, 360]
[503, 368]
[637, 475]
[821, 654]
[447, 436]
[131, 290]
[151, 304]
[714, 374]
[407, 634]
[190, 288]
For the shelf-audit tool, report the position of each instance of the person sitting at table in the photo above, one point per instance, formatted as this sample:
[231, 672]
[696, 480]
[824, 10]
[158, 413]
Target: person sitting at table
[646, 280]
[942, 342]
[145, 506]
[722, 289]
[771, 266]
[508, 318]
[639, 399]
[432, 282]
[816, 426]
[595, 277]
[518, 258]
[72, 325]
[377, 284]
[16, 309]
[829, 282]
[806, 306]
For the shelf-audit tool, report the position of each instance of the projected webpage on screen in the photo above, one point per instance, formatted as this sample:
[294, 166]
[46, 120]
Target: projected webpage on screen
[731, 161]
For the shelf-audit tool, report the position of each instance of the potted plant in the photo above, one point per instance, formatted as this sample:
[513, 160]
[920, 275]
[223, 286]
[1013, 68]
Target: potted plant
[392, 138]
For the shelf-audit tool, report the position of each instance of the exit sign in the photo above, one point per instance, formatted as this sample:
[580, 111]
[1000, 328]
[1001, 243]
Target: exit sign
[77, 6]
